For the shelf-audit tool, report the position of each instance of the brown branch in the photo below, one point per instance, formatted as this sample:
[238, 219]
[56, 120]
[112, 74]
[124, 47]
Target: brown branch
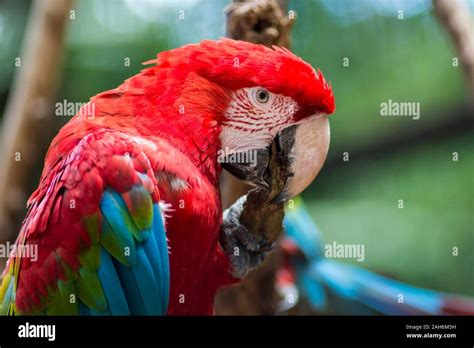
[265, 22]
[259, 21]
[456, 19]
[28, 115]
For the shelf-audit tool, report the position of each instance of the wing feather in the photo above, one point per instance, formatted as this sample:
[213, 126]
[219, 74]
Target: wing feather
[96, 221]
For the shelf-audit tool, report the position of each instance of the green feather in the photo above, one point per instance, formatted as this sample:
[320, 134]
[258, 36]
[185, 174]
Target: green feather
[89, 290]
[119, 244]
[90, 258]
[93, 227]
[117, 229]
[59, 300]
[7, 280]
[140, 206]
[8, 298]
[116, 212]
[54, 303]
[131, 226]
[69, 272]
[68, 298]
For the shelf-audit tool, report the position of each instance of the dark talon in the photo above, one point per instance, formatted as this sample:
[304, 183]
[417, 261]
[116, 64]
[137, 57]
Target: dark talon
[247, 239]
[243, 248]
[265, 246]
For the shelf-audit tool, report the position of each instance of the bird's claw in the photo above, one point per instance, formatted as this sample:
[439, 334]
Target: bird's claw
[243, 248]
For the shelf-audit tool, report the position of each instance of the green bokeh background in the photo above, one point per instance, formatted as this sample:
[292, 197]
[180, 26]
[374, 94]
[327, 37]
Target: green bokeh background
[409, 59]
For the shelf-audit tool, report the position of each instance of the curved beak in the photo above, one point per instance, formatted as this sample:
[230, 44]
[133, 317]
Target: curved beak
[306, 154]
[302, 146]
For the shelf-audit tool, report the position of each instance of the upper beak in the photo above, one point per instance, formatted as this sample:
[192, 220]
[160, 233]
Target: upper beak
[306, 154]
[302, 148]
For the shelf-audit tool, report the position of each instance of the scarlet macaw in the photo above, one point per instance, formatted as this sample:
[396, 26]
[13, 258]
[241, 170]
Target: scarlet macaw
[146, 162]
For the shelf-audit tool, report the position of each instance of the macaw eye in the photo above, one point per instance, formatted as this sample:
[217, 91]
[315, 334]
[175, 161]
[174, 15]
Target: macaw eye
[261, 96]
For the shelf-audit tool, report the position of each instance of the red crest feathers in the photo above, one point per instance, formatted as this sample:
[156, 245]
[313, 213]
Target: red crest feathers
[238, 64]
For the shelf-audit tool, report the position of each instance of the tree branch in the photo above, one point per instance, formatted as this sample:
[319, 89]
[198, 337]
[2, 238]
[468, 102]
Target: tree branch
[28, 115]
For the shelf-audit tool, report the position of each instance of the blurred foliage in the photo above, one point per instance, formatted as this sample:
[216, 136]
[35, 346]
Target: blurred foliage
[359, 204]
[403, 60]
[407, 59]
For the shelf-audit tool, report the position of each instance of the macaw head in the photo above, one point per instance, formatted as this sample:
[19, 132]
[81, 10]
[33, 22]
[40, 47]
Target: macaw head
[273, 95]
[257, 95]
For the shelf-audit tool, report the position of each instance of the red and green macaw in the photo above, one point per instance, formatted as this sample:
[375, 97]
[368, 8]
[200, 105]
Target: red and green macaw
[127, 217]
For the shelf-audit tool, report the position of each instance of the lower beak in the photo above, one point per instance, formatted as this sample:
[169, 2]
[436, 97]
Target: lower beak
[303, 147]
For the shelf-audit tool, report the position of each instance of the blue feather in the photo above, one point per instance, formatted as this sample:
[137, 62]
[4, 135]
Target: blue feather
[112, 209]
[116, 300]
[96, 313]
[139, 284]
[300, 228]
[83, 308]
[378, 292]
[146, 283]
[162, 244]
[161, 277]
[130, 288]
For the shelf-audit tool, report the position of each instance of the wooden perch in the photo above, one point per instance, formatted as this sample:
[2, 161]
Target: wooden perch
[264, 22]
[261, 216]
[29, 111]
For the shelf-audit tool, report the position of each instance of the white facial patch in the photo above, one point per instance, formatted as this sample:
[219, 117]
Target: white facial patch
[254, 117]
